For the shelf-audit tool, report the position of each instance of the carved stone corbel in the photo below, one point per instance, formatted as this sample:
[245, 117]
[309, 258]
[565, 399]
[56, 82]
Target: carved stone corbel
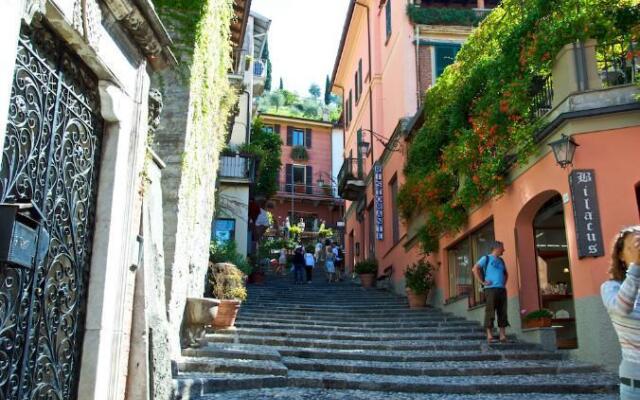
[31, 8]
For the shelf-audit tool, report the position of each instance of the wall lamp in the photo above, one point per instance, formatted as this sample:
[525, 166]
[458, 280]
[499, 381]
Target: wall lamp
[564, 150]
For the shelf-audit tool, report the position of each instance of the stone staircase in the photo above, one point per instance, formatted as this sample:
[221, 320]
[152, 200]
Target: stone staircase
[340, 341]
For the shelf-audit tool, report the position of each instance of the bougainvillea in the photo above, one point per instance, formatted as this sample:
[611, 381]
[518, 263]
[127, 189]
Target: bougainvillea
[479, 118]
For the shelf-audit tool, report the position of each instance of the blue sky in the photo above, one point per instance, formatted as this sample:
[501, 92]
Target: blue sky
[303, 39]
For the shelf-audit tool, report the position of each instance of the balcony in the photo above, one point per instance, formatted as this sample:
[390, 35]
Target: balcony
[259, 76]
[236, 168]
[350, 180]
[325, 192]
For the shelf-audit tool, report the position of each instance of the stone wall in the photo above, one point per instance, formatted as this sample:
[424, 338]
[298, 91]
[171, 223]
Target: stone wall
[197, 98]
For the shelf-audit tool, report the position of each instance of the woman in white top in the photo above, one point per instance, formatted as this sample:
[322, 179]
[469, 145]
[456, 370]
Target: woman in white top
[621, 297]
[282, 262]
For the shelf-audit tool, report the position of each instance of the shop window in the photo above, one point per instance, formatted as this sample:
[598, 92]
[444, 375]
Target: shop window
[638, 198]
[224, 230]
[462, 257]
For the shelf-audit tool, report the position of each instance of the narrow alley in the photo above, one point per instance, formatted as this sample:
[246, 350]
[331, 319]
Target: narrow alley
[344, 342]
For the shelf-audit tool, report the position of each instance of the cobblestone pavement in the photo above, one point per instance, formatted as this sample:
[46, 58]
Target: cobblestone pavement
[341, 341]
[324, 394]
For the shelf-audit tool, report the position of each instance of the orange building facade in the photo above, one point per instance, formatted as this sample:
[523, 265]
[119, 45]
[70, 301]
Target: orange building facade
[307, 187]
[556, 223]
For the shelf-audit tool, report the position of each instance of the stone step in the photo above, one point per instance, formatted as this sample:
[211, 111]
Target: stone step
[400, 323]
[234, 351]
[233, 366]
[330, 318]
[331, 328]
[291, 393]
[441, 367]
[193, 386]
[460, 345]
[329, 304]
[340, 335]
[494, 353]
[566, 383]
[341, 310]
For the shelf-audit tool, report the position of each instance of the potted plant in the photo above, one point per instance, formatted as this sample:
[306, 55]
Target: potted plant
[419, 280]
[538, 319]
[299, 153]
[257, 271]
[367, 270]
[227, 282]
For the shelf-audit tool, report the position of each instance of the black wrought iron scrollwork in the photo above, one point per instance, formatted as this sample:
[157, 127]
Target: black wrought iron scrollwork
[50, 156]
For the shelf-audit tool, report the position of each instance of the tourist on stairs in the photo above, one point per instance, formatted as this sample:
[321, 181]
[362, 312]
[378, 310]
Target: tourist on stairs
[621, 298]
[491, 272]
[298, 265]
[309, 262]
[329, 263]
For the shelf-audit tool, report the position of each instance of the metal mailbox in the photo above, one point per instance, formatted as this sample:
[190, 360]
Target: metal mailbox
[21, 234]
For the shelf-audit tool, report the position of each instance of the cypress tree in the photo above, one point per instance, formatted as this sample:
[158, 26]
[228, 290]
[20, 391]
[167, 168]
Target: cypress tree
[327, 91]
[267, 61]
[281, 84]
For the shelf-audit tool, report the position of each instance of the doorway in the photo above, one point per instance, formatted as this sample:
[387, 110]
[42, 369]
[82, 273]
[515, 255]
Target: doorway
[555, 289]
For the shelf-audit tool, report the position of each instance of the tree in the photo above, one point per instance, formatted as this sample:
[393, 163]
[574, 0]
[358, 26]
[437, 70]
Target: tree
[267, 61]
[327, 91]
[314, 89]
[281, 84]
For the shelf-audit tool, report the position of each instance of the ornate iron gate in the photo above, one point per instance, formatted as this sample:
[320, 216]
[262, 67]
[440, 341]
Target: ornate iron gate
[50, 157]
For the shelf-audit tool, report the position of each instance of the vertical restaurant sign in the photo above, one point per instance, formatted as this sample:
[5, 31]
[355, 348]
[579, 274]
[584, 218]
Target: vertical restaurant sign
[379, 200]
[586, 213]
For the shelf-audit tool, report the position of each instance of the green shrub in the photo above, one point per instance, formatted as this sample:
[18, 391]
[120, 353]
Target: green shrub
[369, 266]
[299, 153]
[419, 277]
[542, 313]
[227, 253]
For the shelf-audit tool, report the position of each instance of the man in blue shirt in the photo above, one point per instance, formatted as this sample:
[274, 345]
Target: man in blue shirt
[491, 272]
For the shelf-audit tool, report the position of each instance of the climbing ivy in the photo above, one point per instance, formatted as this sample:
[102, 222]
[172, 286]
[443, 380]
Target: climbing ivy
[480, 111]
[444, 16]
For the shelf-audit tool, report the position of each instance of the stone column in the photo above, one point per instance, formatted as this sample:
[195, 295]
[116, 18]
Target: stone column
[575, 70]
[110, 295]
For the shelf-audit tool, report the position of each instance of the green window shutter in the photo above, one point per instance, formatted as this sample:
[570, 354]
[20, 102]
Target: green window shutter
[360, 155]
[445, 55]
[388, 18]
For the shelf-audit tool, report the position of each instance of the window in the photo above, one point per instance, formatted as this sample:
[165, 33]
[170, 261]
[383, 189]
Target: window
[638, 197]
[387, 10]
[462, 257]
[299, 175]
[393, 189]
[445, 54]
[298, 137]
[349, 107]
[268, 128]
[360, 77]
[224, 230]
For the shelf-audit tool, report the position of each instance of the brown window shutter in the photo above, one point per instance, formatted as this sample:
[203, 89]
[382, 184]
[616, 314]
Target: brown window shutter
[309, 179]
[276, 128]
[289, 177]
[307, 139]
[289, 135]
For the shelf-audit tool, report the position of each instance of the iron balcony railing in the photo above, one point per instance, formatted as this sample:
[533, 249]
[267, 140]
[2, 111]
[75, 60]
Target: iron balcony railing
[237, 167]
[542, 95]
[351, 170]
[328, 191]
[618, 61]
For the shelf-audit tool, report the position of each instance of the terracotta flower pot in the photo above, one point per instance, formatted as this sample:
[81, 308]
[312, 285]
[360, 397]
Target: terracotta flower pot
[416, 300]
[537, 323]
[367, 280]
[227, 313]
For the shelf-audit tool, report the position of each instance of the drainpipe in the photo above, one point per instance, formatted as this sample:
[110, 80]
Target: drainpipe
[247, 135]
[370, 80]
[418, 70]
